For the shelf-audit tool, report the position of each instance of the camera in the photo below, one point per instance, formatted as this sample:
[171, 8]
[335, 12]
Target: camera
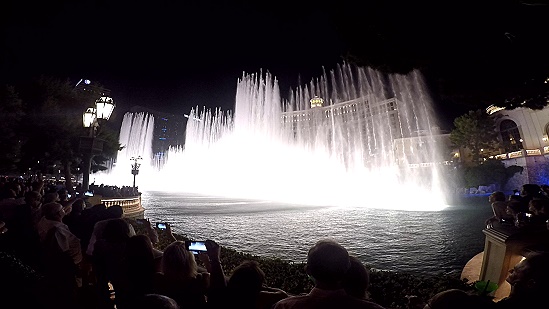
[161, 225]
[196, 247]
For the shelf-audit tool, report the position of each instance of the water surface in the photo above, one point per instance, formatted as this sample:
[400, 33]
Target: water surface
[411, 241]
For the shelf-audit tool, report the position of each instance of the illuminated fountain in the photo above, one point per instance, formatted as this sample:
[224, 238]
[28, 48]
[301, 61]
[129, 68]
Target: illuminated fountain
[369, 142]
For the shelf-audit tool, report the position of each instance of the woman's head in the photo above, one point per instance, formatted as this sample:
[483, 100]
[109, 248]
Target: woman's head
[178, 262]
[497, 196]
[247, 277]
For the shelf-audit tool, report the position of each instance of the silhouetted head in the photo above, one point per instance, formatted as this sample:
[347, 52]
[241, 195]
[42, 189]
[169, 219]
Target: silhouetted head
[458, 299]
[157, 301]
[117, 230]
[115, 211]
[178, 262]
[53, 211]
[530, 277]
[356, 279]
[327, 262]
[247, 278]
[497, 196]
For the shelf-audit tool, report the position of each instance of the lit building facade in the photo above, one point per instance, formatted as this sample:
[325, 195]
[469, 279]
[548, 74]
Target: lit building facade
[523, 133]
[169, 131]
[376, 126]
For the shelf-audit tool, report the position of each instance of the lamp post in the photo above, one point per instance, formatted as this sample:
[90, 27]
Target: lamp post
[91, 145]
[135, 168]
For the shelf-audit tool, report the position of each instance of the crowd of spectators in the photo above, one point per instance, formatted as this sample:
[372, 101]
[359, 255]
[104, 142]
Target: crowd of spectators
[58, 252]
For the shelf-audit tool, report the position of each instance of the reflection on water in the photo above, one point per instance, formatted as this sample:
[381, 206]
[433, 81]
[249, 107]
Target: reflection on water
[411, 241]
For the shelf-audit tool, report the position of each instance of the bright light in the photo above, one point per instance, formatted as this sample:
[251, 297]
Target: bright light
[87, 81]
[105, 106]
[89, 117]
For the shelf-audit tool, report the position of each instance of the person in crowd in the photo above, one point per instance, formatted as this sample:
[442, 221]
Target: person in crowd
[180, 278]
[51, 197]
[108, 259]
[51, 225]
[61, 257]
[517, 209]
[23, 234]
[140, 269]
[157, 301]
[246, 288]
[111, 213]
[90, 217]
[357, 279]
[458, 299]
[327, 264]
[499, 208]
[530, 191]
[539, 208]
[529, 281]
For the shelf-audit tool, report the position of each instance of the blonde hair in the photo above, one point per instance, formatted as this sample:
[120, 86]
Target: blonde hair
[178, 262]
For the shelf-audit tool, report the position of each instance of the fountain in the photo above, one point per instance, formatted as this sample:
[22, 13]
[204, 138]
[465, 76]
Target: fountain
[367, 139]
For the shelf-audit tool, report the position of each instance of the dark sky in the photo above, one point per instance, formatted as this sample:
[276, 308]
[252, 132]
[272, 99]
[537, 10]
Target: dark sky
[173, 55]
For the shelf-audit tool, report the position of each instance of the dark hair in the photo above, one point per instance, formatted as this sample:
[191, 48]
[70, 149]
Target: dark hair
[356, 279]
[115, 211]
[116, 230]
[498, 196]
[538, 269]
[247, 278]
[157, 301]
[328, 261]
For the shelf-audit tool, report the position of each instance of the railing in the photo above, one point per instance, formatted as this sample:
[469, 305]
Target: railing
[131, 205]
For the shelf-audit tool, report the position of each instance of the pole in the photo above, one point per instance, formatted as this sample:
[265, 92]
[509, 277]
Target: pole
[86, 174]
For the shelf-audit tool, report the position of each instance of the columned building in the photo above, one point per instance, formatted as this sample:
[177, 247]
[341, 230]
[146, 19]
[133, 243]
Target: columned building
[376, 127]
[524, 136]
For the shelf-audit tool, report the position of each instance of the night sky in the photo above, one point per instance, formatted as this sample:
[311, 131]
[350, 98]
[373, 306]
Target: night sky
[173, 55]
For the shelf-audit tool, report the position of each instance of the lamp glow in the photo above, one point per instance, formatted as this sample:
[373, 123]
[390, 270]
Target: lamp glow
[105, 106]
[89, 117]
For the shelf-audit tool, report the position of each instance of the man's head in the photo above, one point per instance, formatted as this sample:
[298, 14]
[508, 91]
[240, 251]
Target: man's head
[530, 276]
[115, 212]
[32, 198]
[53, 211]
[327, 263]
[51, 197]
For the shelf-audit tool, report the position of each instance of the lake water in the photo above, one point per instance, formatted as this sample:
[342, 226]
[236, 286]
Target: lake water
[410, 241]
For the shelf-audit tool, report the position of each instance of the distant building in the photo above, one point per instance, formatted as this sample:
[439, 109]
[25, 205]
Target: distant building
[169, 131]
[378, 126]
[523, 133]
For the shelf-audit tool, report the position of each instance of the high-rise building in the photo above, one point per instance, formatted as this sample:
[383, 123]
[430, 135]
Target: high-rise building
[169, 131]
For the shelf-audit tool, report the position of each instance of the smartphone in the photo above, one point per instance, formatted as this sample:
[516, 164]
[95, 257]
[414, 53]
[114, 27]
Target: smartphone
[161, 225]
[196, 247]
[88, 193]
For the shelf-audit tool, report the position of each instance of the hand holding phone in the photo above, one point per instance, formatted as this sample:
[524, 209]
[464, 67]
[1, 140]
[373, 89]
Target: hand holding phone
[196, 247]
[162, 225]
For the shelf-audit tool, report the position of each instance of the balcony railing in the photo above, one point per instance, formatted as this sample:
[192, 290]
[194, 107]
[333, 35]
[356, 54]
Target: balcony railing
[131, 205]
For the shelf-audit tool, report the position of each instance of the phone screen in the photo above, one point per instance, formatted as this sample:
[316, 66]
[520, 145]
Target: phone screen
[196, 246]
[161, 226]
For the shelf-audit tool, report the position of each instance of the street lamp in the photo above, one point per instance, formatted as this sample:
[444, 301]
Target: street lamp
[135, 168]
[91, 145]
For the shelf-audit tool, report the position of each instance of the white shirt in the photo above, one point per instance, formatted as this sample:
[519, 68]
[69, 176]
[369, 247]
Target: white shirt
[64, 237]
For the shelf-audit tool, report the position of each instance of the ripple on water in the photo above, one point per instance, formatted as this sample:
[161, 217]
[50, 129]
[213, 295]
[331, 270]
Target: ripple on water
[427, 242]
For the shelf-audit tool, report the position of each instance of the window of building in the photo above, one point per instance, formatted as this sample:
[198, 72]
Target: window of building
[510, 135]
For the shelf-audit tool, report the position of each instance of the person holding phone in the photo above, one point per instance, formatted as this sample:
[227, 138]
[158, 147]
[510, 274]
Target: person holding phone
[180, 278]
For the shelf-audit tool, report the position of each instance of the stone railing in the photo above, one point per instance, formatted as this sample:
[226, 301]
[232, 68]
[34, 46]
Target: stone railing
[506, 246]
[131, 205]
